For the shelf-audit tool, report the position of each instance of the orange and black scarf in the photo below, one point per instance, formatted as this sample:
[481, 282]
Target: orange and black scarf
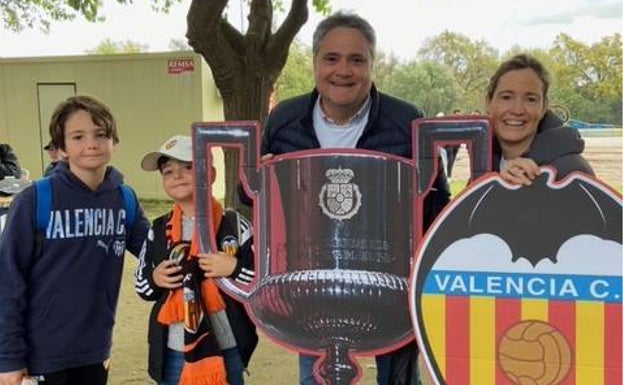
[203, 364]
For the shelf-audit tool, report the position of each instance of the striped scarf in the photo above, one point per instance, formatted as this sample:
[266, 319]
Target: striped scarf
[203, 364]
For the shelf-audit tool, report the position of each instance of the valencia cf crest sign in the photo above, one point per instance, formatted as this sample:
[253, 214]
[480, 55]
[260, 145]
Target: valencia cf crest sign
[522, 285]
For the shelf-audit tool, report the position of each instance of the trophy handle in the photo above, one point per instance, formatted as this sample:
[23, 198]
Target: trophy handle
[431, 133]
[241, 135]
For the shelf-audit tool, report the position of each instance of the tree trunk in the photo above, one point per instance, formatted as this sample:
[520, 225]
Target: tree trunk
[244, 67]
[249, 102]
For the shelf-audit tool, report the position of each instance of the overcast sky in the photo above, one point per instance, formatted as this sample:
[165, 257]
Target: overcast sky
[401, 25]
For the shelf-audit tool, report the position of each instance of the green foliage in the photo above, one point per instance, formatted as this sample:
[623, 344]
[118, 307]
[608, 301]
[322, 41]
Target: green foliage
[383, 68]
[107, 47]
[427, 84]
[153, 208]
[589, 77]
[296, 77]
[17, 15]
[457, 186]
[322, 6]
[472, 62]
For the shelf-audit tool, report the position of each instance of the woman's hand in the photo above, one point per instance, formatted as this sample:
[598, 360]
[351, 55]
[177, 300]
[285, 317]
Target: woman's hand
[168, 274]
[520, 171]
[217, 265]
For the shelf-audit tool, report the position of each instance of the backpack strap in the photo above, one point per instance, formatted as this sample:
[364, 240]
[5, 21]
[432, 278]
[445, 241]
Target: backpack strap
[129, 203]
[43, 204]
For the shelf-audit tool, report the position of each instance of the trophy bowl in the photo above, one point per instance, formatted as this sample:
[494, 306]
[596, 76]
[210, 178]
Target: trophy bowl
[338, 311]
[314, 307]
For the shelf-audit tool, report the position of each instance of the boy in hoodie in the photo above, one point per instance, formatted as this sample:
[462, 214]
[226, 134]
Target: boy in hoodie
[185, 346]
[60, 286]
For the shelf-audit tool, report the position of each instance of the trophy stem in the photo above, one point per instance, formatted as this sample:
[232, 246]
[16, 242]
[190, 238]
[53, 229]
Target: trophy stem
[338, 368]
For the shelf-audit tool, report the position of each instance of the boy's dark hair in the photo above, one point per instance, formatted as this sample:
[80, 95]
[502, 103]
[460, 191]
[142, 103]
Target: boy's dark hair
[100, 115]
[161, 162]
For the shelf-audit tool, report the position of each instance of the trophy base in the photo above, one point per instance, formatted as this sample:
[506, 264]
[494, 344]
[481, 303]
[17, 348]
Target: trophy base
[316, 309]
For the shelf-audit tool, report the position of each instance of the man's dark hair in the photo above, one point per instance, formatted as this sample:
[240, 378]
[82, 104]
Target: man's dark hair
[346, 20]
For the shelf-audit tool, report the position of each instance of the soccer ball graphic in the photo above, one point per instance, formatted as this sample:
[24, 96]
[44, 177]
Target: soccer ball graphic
[534, 353]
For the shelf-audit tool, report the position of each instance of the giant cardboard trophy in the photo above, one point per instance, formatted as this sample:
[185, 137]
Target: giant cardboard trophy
[335, 231]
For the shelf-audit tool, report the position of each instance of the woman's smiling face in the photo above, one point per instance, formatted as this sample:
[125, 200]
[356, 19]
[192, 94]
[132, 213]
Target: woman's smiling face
[516, 107]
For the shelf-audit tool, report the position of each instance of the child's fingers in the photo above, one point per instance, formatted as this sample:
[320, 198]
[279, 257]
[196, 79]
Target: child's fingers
[167, 274]
[218, 265]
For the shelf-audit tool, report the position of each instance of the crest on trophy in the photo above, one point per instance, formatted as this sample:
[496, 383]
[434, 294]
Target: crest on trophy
[339, 199]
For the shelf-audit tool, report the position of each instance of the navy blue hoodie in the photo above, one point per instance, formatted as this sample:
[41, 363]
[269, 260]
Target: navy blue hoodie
[57, 308]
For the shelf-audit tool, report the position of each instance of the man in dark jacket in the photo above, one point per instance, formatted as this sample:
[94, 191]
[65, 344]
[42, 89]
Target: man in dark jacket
[346, 111]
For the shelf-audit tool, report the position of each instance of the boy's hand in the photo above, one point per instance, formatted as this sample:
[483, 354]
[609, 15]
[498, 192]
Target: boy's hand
[12, 378]
[167, 274]
[217, 265]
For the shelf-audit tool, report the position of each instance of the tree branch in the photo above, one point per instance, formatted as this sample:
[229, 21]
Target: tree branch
[233, 37]
[279, 44]
[205, 35]
[260, 19]
[202, 21]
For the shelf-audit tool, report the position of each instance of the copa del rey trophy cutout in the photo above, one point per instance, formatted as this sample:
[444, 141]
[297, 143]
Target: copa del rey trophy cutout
[334, 234]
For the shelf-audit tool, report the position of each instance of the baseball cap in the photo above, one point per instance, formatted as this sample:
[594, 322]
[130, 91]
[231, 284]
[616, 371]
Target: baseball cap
[177, 147]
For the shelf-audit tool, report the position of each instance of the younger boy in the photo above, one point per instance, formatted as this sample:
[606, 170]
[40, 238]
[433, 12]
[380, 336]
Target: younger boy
[184, 346]
[59, 287]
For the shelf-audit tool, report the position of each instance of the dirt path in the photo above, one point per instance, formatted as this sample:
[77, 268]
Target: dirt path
[605, 156]
[603, 153]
